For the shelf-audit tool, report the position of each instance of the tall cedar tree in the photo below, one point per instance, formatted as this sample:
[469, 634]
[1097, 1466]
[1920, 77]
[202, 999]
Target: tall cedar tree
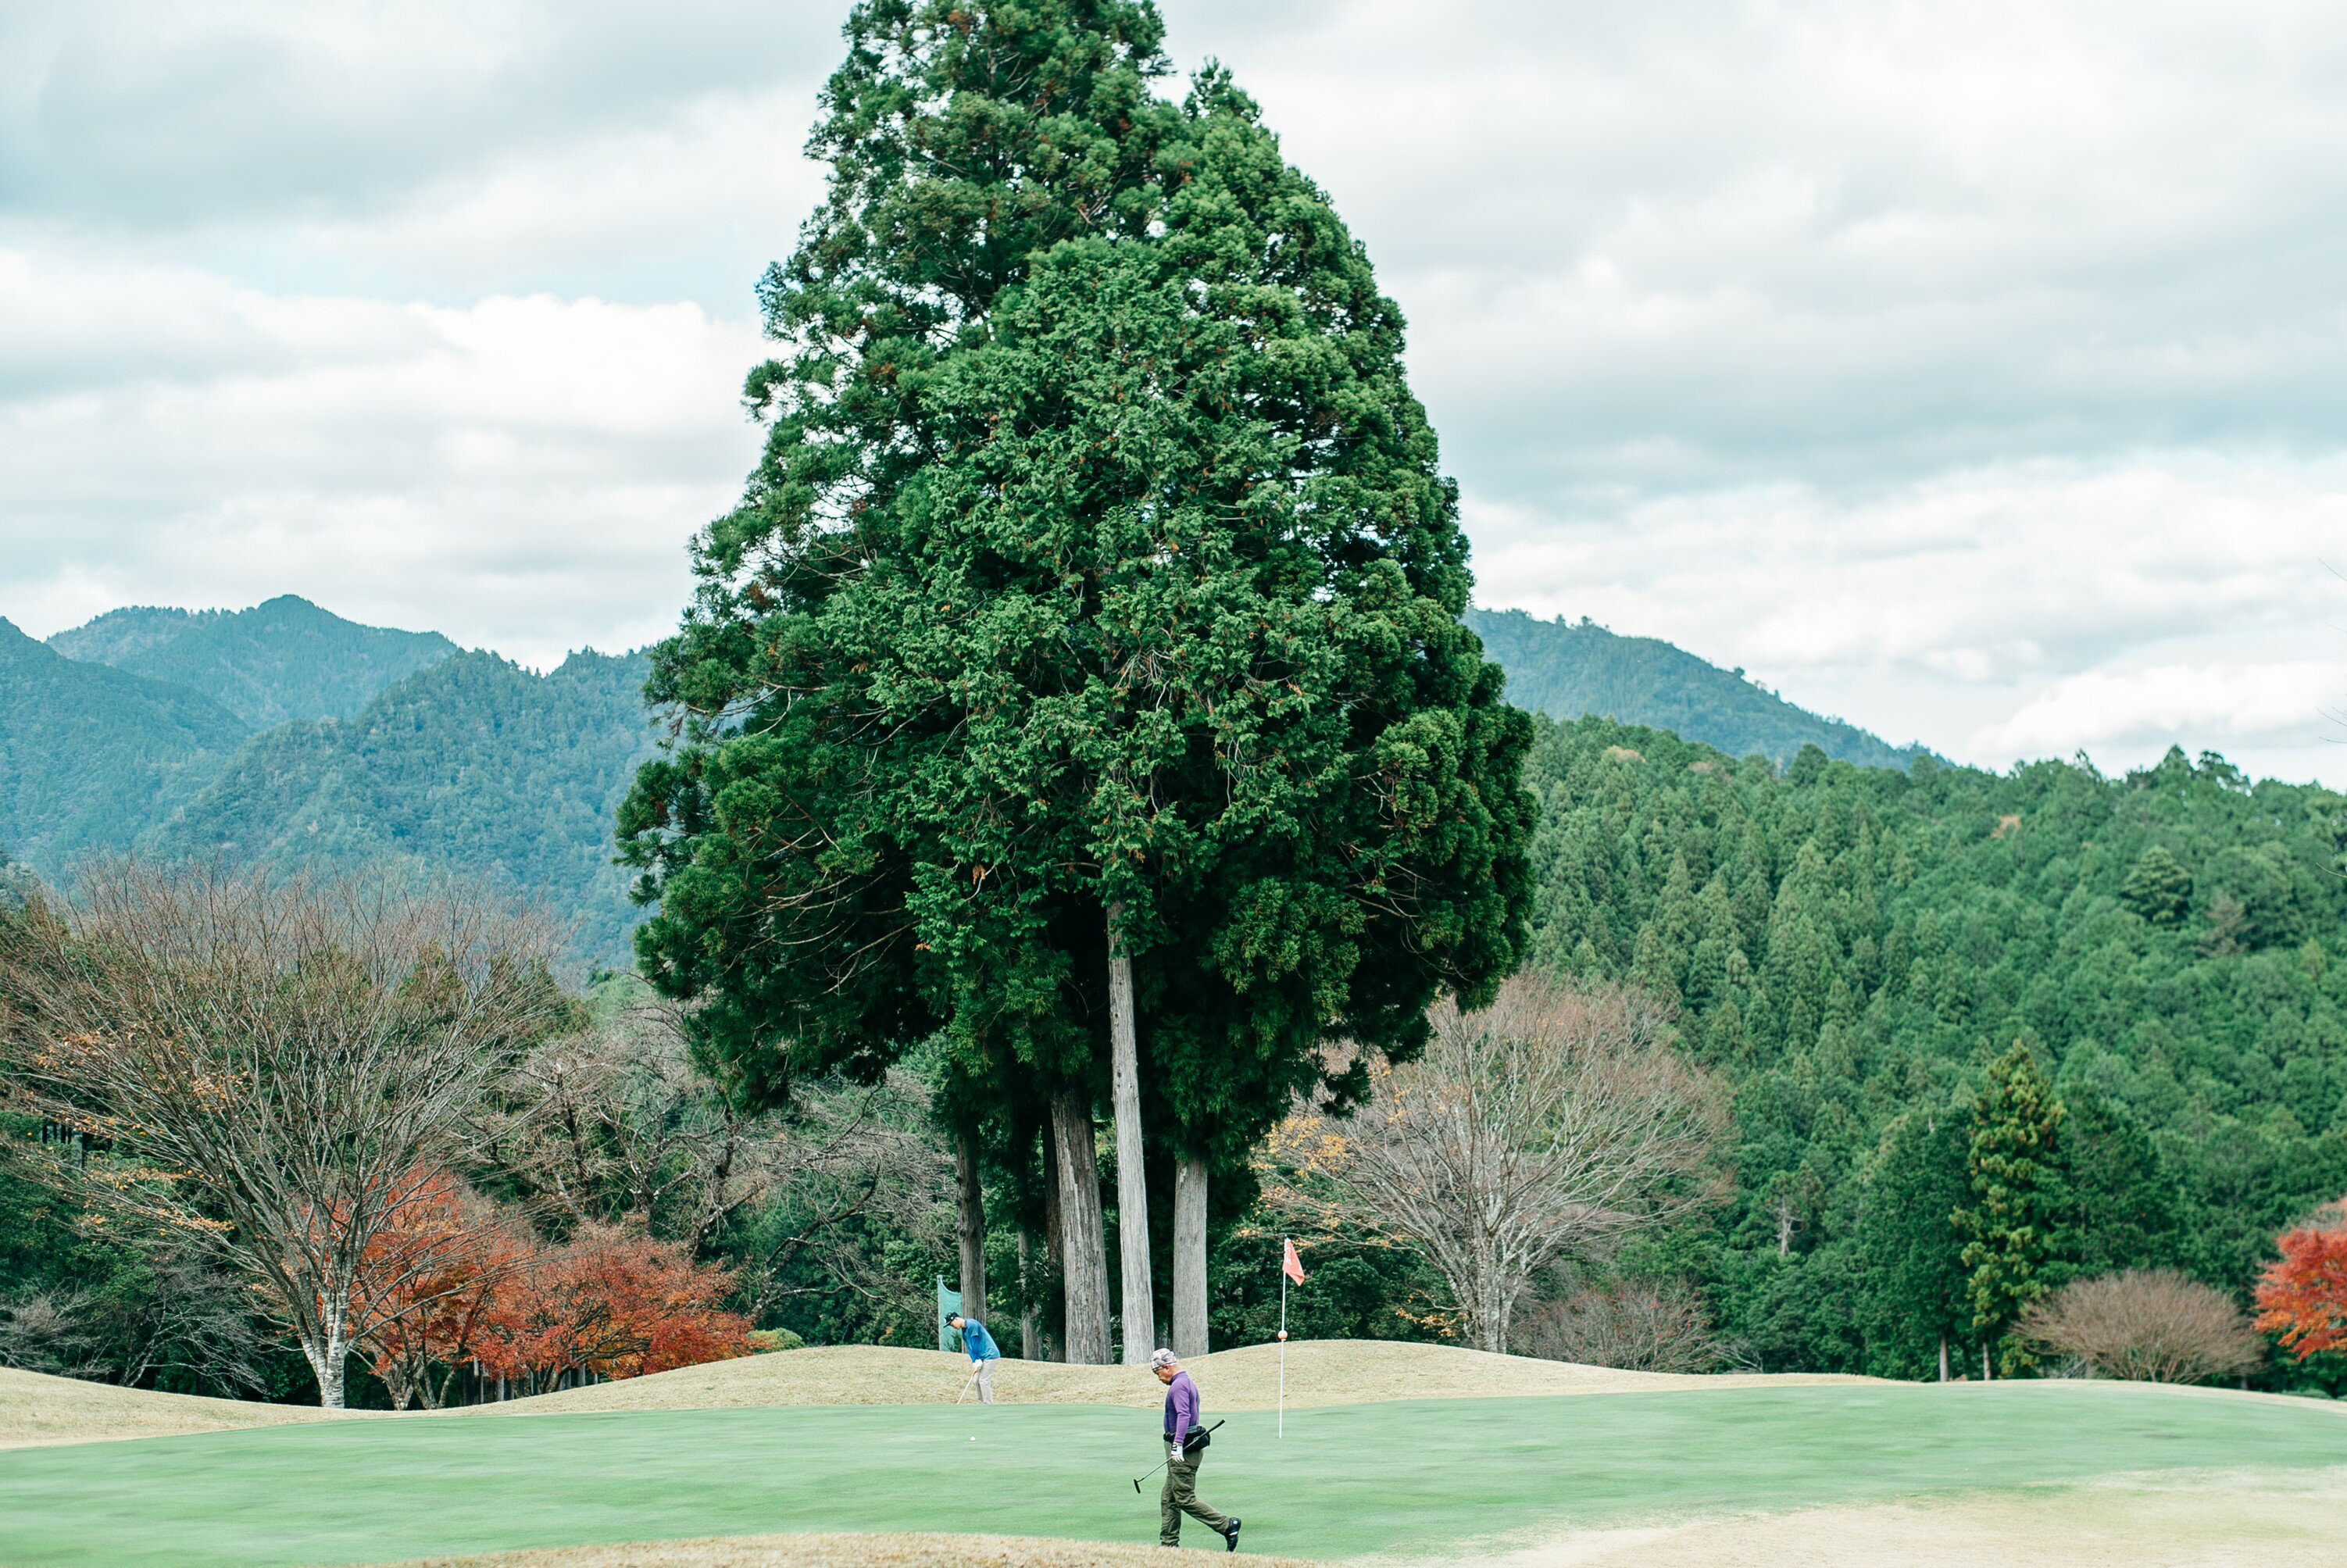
[1098, 566]
[1916, 1300]
[2016, 1195]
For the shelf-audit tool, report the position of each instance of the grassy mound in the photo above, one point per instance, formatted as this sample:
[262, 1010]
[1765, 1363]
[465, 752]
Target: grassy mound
[836, 1552]
[37, 1409]
[1413, 1479]
[1320, 1372]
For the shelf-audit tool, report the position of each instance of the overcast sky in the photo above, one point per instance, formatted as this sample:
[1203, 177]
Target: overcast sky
[1973, 372]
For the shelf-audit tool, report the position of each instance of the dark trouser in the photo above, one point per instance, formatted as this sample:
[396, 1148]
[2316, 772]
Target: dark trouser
[1181, 1497]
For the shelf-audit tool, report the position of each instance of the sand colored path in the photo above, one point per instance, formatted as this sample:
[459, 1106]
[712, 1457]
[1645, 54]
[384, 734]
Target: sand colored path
[2233, 1520]
[2236, 1520]
[845, 1552]
[1320, 1372]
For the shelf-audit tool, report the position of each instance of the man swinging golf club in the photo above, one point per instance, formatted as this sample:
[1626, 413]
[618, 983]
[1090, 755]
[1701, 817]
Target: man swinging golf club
[983, 1354]
[1185, 1447]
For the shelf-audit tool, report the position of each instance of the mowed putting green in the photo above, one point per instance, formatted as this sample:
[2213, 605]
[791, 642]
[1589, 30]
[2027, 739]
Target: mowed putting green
[1415, 1477]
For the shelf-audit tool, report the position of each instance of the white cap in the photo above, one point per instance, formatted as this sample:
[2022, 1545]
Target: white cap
[1162, 1358]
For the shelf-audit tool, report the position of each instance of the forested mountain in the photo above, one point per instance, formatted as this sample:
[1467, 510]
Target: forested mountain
[1848, 946]
[89, 755]
[475, 764]
[1851, 947]
[313, 738]
[1566, 670]
[286, 659]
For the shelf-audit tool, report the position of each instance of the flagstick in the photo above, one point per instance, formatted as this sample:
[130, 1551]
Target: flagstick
[1282, 1337]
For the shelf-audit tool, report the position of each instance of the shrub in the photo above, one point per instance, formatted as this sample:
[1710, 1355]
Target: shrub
[2152, 1326]
[1639, 1328]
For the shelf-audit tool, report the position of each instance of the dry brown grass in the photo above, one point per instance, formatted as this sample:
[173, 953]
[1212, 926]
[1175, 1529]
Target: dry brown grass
[838, 1551]
[1320, 1372]
[2235, 1521]
[37, 1409]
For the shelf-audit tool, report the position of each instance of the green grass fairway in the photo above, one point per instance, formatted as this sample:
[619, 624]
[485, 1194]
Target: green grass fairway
[1348, 1480]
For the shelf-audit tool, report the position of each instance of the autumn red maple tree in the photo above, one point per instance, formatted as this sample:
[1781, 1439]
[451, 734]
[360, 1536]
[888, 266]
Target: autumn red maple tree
[2302, 1299]
[455, 1278]
[429, 1282]
[613, 1303]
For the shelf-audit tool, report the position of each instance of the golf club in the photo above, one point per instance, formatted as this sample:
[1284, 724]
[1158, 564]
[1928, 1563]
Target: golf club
[1161, 1464]
[966, 1382]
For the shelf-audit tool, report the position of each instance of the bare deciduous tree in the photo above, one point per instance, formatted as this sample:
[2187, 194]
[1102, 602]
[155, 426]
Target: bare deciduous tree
[274, 1067]
[48, 1331]
[2153, 1326]
[1638, 1327]
[1552, 1120]
[616, 1124]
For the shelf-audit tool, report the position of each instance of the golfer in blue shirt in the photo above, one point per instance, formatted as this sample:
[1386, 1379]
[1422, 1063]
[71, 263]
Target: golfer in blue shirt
[983, 1353]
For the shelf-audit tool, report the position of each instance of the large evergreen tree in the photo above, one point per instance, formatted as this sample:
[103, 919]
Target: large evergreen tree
[2016, 1186]
[1916, 1299]
[1082, 672]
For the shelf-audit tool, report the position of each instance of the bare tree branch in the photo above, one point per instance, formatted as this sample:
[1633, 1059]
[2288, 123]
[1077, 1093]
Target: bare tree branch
[1551, 1120]
[274, 1067]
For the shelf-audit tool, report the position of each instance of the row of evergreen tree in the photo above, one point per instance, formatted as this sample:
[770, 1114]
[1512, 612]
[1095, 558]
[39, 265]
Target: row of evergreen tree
[2118, 998]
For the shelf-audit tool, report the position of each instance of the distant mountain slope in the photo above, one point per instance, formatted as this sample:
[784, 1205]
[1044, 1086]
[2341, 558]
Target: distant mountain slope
[394, 745]
[1565, 671]
[89, 755]
[283, 660]
[475, 764]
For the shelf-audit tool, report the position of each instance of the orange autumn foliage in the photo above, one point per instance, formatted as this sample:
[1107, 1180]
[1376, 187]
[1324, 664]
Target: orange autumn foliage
[614, 1304]
[429, 1282]
[453, 1277]
[2304, 1298]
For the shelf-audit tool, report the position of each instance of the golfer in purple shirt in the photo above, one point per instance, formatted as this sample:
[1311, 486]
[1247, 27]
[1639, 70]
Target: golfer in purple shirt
[1185, 1446]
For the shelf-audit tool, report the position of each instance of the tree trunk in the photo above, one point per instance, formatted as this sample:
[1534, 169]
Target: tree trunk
[1138, 1300]
[1084, 1249]
[1986, 1376]
[326, 1342]
[1055, 1237]
[1189, 1256]
[1029, 1349]
[972, 1226]
[1944, 1358]
[327, 1364]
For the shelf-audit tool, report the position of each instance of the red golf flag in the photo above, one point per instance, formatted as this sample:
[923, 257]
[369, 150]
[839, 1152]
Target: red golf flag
[1291, 1265]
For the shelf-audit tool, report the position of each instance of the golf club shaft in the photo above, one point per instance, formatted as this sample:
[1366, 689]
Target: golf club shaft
[1161, 1464]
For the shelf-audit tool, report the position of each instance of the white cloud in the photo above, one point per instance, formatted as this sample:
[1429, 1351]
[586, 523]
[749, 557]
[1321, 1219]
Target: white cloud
[1971, 371]
[150, 114]
[1946, 608]
[2139, 711]
[522, 471]
[1678, 246]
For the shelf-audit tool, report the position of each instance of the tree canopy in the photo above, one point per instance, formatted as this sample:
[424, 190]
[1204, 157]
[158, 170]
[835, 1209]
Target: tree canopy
[1098, 572]
[1854, 947]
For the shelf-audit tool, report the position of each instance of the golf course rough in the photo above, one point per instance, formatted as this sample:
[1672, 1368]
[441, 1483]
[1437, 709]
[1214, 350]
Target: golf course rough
[1418, 1477]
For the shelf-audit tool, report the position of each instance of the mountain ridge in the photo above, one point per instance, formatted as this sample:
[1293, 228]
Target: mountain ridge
[301, 737]
[1567, 670]
[284, 658]
[475, 764]
[89, 753]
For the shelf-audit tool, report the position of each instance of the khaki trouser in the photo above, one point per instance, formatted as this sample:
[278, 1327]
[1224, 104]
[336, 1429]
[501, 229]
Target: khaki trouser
[1181, 1497]
[983, 1371]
